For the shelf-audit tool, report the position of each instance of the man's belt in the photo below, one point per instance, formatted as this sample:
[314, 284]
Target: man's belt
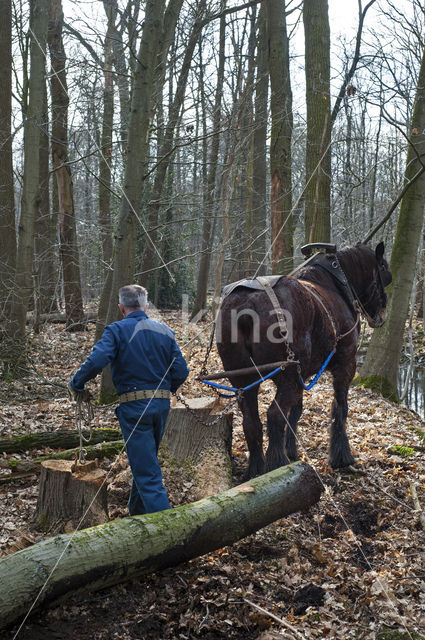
[144, 394]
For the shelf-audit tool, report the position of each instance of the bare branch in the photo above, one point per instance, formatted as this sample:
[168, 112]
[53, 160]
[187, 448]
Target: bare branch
[356, 58]
[394, 205]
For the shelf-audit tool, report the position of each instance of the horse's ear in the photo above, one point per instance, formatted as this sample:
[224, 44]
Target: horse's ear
[379, 251]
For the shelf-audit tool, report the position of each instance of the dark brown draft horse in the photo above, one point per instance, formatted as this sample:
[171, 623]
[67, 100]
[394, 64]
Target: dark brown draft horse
[321, 304]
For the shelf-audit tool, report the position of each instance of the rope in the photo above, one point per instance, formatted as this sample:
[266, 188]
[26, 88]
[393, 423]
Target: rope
[84, 414]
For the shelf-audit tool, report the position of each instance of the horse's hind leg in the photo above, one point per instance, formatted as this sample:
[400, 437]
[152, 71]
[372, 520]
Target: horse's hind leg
[340, 454]
[286, 397]
[291, 431]
[253, 431]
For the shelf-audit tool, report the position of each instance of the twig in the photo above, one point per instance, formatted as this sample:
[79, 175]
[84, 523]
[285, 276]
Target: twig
[418, 507]
[394, 205]
[272, 615]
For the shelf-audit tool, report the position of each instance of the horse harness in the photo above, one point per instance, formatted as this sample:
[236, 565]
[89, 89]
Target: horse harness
[336, 271]
[266, 283]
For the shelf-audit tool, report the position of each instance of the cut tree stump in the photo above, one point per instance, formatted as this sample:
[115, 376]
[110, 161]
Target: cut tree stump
[71, 496]
[204, 449]
[127, 548]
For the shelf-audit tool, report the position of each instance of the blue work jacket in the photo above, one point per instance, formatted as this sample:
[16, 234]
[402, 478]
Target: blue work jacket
[143, 355]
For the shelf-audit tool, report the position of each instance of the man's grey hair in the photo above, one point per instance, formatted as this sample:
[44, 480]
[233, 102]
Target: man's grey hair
[133, 296]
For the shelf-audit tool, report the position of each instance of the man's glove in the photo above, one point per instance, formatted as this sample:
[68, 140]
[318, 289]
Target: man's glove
[79, 396]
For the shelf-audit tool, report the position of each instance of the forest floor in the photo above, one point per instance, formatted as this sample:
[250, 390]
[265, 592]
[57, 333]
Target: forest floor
[353, 566]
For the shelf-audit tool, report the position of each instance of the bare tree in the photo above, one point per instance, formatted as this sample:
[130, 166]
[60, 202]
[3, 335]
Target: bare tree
[68, 238]
[7, 198]
[317, 195]
[281, 138]
[16, 356]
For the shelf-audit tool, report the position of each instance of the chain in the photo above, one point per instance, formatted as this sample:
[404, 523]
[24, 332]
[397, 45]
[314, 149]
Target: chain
[220, 415]
[203, 371]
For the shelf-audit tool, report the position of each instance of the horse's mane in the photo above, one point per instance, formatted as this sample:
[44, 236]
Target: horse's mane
[356, 262]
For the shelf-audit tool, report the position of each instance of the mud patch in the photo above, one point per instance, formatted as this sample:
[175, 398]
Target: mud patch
[309, 596]
[361, 517]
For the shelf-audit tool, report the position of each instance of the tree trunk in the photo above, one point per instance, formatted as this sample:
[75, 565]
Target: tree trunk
[207, 448]
[68, 236]
[105, 156]
[71, 495]
[259, 165]
[227, 187]
[45, 263]
[121, 71]
[135, 168]
[281, 136]
[317, 198]
[166, 149]
[380, 368]
[127, 548]
[210, 187]
[7, 198]
[30, 190]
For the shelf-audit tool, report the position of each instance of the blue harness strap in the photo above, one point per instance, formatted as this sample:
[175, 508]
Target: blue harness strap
[234, 391]
[311, 384]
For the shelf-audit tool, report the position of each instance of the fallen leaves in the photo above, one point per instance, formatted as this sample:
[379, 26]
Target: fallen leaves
[362, 545]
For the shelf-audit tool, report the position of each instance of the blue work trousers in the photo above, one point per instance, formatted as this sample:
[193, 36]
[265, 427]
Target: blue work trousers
[142, 425]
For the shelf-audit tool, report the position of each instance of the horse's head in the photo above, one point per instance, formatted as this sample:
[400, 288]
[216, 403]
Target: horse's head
[368, 274]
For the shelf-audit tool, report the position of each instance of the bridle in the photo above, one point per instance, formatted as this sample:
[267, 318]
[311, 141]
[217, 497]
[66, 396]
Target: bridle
[373, 290]
[332, 265]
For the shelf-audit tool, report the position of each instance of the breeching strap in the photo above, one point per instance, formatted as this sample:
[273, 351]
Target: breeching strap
[311, 384]
[235, 391]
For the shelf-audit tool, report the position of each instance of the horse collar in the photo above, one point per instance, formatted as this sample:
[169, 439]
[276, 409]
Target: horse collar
[330, 263]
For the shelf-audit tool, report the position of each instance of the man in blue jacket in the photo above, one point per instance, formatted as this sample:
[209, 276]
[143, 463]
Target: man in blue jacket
[146, 365]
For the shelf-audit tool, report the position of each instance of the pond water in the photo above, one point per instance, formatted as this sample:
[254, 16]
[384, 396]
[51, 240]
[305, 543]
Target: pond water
[415, 396]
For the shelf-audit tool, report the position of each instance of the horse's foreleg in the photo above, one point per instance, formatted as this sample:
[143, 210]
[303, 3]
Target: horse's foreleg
[253, 431]
[291, 431]
[340, 454]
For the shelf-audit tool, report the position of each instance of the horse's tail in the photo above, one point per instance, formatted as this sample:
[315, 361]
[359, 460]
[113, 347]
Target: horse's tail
[238, 326]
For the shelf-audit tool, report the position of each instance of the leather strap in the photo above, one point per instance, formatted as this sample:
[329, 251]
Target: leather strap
[144, 394]
[265, 283]
[316, 295]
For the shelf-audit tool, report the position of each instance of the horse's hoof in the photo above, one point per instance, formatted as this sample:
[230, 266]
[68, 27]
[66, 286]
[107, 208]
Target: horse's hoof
[293, 457]
[271, 465]
[255, 470]
[341, 463]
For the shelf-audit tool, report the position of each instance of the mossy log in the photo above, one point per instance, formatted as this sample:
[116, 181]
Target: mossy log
[95, 558]
[59, 318]
[60, 439]
[100, 450]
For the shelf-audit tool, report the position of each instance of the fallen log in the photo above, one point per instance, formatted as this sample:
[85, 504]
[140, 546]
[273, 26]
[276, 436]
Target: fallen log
[99, 450]
[62, 438]
[123, 549]
[59, 318]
